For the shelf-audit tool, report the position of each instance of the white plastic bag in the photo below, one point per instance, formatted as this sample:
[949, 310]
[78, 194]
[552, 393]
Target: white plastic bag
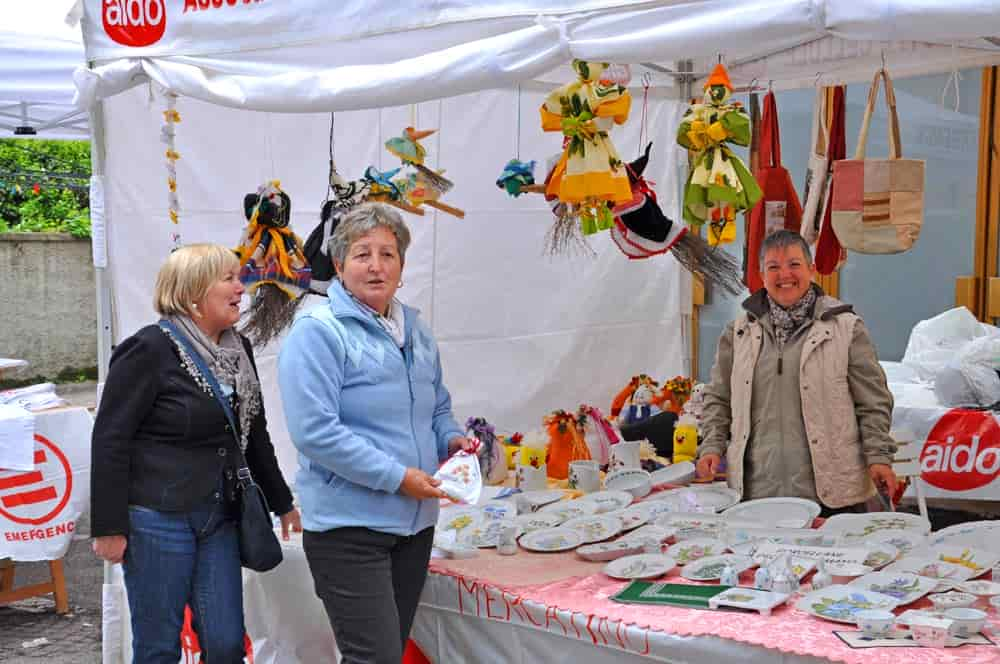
[935, 342]
[970, 377]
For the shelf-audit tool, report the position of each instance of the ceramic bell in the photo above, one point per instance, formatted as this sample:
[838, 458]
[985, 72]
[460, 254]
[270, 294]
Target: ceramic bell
[782, 582]
[729, 576]
[821, 578]
[762, 578]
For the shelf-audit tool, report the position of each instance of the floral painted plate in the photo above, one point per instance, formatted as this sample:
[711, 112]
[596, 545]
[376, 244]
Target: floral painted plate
[642, 566]
[647, 532]
[851, 527]
[709, 498]
[905, 541]
[609, 501]
[550, 540]
[537, 521]
[486, 533]
[634, 516]
[606, 551]
[842, 603]
[710, 568]
[980, 588]
[691, 550]
[595, 528]
[459, 519]
[931, 568]
[903, 587]
[570, 509]
[737, 534]
[977, 560]
[678, 474]
[984, 535]
[693, 525]
[780, 512]
[880, 554]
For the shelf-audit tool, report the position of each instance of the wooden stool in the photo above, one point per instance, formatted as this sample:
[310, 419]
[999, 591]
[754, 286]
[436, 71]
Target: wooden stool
[56, 586]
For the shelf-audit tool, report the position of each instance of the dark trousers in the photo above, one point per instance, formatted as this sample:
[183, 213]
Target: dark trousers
[370, 584]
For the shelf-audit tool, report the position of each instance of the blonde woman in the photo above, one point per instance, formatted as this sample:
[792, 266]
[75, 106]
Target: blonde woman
[164, 461]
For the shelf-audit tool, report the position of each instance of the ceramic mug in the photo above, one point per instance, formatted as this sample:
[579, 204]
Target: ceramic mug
[530, 478]
[875, 623]
[625, 454]
[930, 633]
[965, 622]
[584, 476]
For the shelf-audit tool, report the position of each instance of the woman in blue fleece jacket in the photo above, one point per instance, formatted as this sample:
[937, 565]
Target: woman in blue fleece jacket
[369, 413]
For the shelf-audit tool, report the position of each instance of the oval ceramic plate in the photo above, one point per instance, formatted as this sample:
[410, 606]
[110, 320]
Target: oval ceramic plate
[976, 560]
[851, 527]
[542, 497]
[780, 512]
[739, 534]
[693, 525]
[983, 535]
[699, 498]
[633, 480]
[571, 509]
[634, 516]
[841, 603]
[595, 528]
[642, 566]
[606, 551]
[905, 541]
[550, 540]
[459, 519]
[691, 550]
[486, 533]
[538, 521]
[932, 568]
[648, 531]
[710, 568]
[880, 554]
[980, 588]
[679, 474]
[609, 501]
[903, 587]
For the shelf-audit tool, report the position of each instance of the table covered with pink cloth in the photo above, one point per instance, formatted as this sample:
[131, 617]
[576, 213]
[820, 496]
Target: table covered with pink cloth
[562, 587]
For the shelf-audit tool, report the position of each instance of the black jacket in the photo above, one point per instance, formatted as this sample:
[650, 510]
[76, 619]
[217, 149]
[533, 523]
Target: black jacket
[162, 442]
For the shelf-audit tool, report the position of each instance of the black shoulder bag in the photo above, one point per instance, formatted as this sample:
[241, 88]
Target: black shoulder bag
[260, 550]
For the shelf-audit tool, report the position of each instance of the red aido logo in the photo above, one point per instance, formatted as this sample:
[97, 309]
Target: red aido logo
[962, 451]
[134, 22]
[38, 496]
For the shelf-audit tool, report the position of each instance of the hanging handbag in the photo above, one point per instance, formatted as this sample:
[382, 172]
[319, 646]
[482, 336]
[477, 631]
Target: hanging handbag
[817, 172]
[878, 204]
[779, 208]
[260, 550]
[830, 255]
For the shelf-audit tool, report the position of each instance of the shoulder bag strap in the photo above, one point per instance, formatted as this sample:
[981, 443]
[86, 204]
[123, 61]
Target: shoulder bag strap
[244, 471]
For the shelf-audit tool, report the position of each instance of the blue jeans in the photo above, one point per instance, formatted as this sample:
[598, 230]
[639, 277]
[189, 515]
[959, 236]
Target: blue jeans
[178, 558]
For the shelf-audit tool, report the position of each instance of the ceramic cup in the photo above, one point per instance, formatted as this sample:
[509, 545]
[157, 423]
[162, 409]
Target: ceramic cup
[930, 633]
[965, 622]
[530, 478]
[584, 476]
[875, 623]
[625, 454]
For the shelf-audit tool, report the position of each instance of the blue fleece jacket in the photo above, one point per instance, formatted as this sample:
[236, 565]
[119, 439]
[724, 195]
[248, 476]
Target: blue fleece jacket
[360, 410]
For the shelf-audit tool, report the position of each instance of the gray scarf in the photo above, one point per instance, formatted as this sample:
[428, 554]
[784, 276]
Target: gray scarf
[786, 321]
[229, 362]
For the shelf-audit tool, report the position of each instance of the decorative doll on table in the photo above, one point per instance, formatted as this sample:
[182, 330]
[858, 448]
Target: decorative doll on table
[565, 443]
[720, 185]
[641, 406]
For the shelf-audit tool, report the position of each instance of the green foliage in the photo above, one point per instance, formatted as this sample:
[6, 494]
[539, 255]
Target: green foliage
[51, 165]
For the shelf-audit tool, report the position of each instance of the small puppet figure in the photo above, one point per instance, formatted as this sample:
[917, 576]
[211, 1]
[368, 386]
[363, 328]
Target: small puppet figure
[589, 175]
[685, 439]
[423, 186]
[597, 433]
[491, 453]
[622, 398]
[640, 406]
[565, 443]
[720, 185]
[695, 404]
[273, 266]
[518, 177]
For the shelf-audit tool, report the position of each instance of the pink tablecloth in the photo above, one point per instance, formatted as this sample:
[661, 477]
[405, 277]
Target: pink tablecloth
[566, 582]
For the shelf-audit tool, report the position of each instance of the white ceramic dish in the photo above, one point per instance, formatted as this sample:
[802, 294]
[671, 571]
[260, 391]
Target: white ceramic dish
[737, 534]
[609, 500]
[486, 533]
[692, 525]
[881, 554]
[984, 535]
[762, 601]
[538, 520]
[965, 622]
[701, 498]
[647, 532]
[980, 588]
[571, 509]
[780, 512]
[550, 540]
[642, 566]
[976, 560]
[498, 509]
[607, 551]
[875, 623]
[710, 568]
[691, 550]
[929, 567]
[535, 500]
[845, 573]
[850, 527]
[635, 515]
[460, 519]
[800, 566]
[679, 474]
[952, 600]
[596, 528]
[903, 587]
[632, 480]
[841, 603]
[905, 541]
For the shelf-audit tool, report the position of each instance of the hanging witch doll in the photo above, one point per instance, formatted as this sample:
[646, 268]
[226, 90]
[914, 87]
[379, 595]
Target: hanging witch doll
[272, 264]
[641, 230]
[720, 185]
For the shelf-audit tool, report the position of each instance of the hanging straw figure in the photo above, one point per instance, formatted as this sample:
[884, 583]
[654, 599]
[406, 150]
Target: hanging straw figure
[518, 177]
[589, 174]
[426, 186]
[720, 185]
[564, 237]
[272, 264]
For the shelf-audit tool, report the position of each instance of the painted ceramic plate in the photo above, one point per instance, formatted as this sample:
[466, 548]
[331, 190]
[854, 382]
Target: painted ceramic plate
[980, 588]
[459, 519]
[636, 515]
[679, 474]
[570, 509]
[699, 498]
[977, 560]
[691, 550]
[606, 551]
[841, 603]
[609, 501]
[847, 570]
[710, 568]
[648, 531]
[902, 587]
[633, 480]
[642, 566]
[880, 554]
[538, 521]
[932, 568]
[849, 527]
[780, 512]
[905, 541]
[693, 525]
[595, 528]
[499, 509]
[737, 534]
[486, 533]
[537, 499]
[552, 539]
[984, 535]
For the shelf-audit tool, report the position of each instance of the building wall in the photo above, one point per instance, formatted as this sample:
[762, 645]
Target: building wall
[47, 302]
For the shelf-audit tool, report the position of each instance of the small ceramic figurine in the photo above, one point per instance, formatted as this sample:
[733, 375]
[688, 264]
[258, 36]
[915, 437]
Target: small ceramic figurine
[507, 544]
[762, 578]
[792, 576]
[641, 406]
[729, 576]
[782, 580]
[821, 578]
[685, 439]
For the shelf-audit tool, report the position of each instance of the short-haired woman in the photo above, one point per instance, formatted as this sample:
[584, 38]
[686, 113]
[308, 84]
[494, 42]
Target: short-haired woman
[164, 461]
[367, 408]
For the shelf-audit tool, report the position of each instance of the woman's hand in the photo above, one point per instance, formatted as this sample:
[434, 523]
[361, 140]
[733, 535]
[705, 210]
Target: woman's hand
[291, 521]
[884, 478]
[708, 465]
[418, 484]
[462, 443]
[110, 548]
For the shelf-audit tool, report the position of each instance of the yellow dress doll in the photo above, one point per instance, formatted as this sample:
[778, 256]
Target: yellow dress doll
[685, 439]
[720, 185]
[589, 174]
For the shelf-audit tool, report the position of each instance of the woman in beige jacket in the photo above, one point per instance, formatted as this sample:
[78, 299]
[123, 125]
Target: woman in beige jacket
[798, 402]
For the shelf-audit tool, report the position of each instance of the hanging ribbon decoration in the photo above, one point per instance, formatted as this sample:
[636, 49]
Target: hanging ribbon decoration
[167, 134]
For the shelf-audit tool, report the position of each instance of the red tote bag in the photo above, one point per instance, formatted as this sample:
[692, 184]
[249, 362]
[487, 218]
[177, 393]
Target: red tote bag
[780, 207]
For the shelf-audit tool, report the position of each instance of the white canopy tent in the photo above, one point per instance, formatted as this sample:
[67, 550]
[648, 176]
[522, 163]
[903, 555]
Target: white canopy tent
[519, 334]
